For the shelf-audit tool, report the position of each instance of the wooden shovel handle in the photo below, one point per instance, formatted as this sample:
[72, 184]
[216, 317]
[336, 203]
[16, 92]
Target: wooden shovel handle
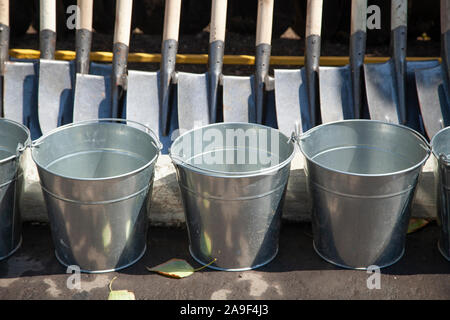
[47, 15]
[172, 20]
[359, 16]
[399, 13]
[445, 16]
[122, 27]
[4, 12]
[86, 8]
[314, 17]
[218, 20]
[264, 22]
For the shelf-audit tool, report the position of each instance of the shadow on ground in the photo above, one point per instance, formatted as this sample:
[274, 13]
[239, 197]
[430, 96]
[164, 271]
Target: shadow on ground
[36, 256]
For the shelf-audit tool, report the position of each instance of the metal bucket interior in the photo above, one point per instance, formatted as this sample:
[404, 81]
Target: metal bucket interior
[232, 194]
[96, 177]
[362, 176]
[14, 137]
[441, 153]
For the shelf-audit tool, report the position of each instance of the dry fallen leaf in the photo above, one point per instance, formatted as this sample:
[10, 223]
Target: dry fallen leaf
[416, 224]
[176, 268]
[119, 294]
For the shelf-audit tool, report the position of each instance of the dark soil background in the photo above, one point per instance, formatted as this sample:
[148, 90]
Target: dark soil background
[288, 30]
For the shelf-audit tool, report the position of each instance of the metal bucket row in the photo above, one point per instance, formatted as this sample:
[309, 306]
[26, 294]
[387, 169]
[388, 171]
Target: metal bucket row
[97, 179]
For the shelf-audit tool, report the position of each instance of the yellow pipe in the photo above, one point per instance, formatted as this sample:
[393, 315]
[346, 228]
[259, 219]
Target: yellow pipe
[202, 58]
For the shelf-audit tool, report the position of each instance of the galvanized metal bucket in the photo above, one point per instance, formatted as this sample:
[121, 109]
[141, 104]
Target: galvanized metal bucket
[362, 176]
[97, 178]
[441, 151]
[14, 138]
[233, 178]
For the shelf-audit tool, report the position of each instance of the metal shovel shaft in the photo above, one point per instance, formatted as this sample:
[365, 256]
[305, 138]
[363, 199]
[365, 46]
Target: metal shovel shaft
[399, 59]
[168, 60]
[47, 34]
[312, 58]
[118, 78]
[122, 31]
[172, 13]
[4, 56]
[357, 52]
[83, 35]
[83, 40]
[263, 50]
[262, 62]
[215, 62]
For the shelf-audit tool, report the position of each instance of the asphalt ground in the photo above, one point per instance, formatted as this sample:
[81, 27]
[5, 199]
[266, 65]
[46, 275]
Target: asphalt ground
[296, 273]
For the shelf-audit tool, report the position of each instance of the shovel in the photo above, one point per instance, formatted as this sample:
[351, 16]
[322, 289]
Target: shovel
[250, 99]
[433, 83]
[83, 42]
[57, 78]
[4, 45]
[340, 88]
[198, 93]
[149, 93]
[387, 83]
[296, 91]
[55, 81]
[21, 85]
[101, 96]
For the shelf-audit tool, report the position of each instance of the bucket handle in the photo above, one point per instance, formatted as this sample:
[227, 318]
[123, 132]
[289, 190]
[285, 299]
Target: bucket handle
[147, 130]
[296, 135]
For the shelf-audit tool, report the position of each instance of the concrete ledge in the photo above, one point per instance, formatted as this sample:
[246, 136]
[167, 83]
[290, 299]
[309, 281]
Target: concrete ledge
[167, 209]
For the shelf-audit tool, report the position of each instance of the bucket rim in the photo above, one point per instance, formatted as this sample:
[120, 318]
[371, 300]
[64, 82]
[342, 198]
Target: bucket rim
[426, 146]
[150, 133]
[434, 139]
[223, 174]
[20, 148]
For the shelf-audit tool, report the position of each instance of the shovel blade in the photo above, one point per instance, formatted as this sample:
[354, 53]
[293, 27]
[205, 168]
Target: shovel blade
[415, 120]
[433, 99]
[193, 110]
[142, 104]
[55, 95]
[20, 94]
[291, 101]
[336, 98]
[238, 99]
[92, 99]
[381, 91]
